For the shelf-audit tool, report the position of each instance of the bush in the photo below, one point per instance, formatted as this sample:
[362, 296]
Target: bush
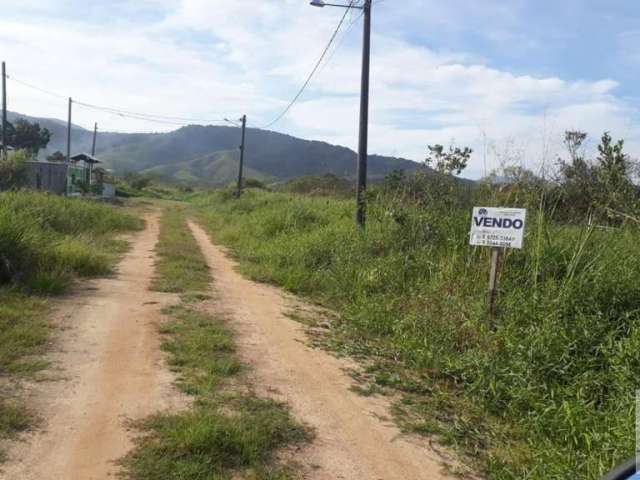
[13, 170]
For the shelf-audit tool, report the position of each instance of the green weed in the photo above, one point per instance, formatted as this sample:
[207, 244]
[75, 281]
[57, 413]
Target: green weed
[181, 267]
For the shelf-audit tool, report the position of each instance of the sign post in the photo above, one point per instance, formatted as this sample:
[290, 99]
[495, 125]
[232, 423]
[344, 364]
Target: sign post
[497, 228]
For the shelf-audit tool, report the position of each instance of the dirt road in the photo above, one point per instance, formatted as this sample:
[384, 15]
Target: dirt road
[111, 366]
[353, 442]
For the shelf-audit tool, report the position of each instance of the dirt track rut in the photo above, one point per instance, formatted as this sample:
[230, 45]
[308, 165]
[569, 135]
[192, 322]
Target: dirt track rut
[111, 368]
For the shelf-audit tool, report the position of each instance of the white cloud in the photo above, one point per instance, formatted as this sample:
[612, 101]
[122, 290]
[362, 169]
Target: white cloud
[216, 58]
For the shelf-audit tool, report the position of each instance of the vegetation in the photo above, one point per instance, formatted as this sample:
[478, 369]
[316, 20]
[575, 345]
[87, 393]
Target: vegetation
[13, 170]
[24, 135]
[23, 334]
[181, 267]
[328, 184]
[544, 391]
[57, 157]
[137, 185]
[228, 431]
[44, 242]
[603, 188]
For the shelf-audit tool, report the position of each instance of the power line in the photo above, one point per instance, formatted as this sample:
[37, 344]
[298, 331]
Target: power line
[315, 68]
[345, 34]
[42, 90]
[163, 119]
[146, 115]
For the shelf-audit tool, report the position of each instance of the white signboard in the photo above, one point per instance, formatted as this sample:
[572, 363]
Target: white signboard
[498, 227]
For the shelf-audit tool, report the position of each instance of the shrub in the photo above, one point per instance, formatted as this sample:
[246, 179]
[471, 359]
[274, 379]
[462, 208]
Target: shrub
[13, 170]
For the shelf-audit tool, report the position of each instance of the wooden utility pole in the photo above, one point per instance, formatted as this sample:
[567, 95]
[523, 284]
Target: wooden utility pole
[95, 134]
[69, 132]
[93, 151]
[4, 110]
[244, 128]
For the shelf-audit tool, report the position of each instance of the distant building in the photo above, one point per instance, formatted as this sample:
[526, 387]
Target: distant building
[48, 176]
[73, 178]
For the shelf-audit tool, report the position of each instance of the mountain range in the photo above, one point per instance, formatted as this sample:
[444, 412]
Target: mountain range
[208, 155]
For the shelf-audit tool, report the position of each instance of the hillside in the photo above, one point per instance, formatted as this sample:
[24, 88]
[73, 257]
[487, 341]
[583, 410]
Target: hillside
[208, 155]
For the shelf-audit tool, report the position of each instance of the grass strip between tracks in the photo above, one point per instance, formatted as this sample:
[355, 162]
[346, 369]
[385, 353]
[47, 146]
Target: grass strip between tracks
[227, 431]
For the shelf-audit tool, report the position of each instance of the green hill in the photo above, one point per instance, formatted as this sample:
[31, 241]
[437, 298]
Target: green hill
[208, 155]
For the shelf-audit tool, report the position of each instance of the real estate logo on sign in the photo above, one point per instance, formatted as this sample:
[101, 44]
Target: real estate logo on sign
[498, 227]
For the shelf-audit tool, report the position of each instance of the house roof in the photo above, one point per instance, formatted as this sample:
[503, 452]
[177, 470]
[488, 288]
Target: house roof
[86, 157]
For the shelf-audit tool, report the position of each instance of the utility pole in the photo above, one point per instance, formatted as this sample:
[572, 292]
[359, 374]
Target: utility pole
[4, 110]
[93, 151]
[244, 128]
[364, 118]
[69, 132]
[95, 134]
[363, 138]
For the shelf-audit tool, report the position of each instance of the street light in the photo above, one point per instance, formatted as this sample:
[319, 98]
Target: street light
[364, 104]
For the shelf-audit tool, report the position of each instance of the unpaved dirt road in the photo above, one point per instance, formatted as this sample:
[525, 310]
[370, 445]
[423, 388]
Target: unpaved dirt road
[353, 442]
[111, 368]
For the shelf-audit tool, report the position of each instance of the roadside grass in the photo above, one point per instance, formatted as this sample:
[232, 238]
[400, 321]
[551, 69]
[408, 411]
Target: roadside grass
[45, 242]
[546, 391]
[228, 432]
[23, 335]
[181, 267]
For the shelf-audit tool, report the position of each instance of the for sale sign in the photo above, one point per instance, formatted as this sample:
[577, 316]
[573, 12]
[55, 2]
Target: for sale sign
[498, 227]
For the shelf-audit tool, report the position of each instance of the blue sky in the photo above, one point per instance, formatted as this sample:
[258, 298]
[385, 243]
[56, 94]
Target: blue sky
[504, 77]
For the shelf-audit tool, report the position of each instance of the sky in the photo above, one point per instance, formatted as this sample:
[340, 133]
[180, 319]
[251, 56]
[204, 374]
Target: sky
[504, 77]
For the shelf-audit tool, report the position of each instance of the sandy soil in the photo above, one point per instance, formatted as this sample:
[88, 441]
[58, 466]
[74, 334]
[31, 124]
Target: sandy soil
[355, 440]
[111, 366]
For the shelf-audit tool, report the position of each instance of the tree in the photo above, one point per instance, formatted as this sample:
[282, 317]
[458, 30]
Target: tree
[616, 190]
[57, 157]
[448, 162]
[443, 189]
[28, 136]
[13, 170]
[394, 180]
[578, 182]
[603, 187]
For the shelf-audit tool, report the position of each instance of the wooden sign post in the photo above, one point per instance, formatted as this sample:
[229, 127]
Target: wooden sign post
[493, 280]
[497, 228]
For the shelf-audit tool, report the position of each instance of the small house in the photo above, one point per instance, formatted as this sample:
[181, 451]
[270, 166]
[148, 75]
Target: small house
[80, 172]
[77, 177]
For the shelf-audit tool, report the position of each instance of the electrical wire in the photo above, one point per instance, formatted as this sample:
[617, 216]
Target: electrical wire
[118, 111]
[315, 68]
[42, 90]
[161, 119]
[345, 34]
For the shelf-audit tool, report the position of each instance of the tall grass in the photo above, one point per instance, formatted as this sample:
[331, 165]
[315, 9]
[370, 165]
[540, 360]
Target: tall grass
[45, 239]
[545, 392]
